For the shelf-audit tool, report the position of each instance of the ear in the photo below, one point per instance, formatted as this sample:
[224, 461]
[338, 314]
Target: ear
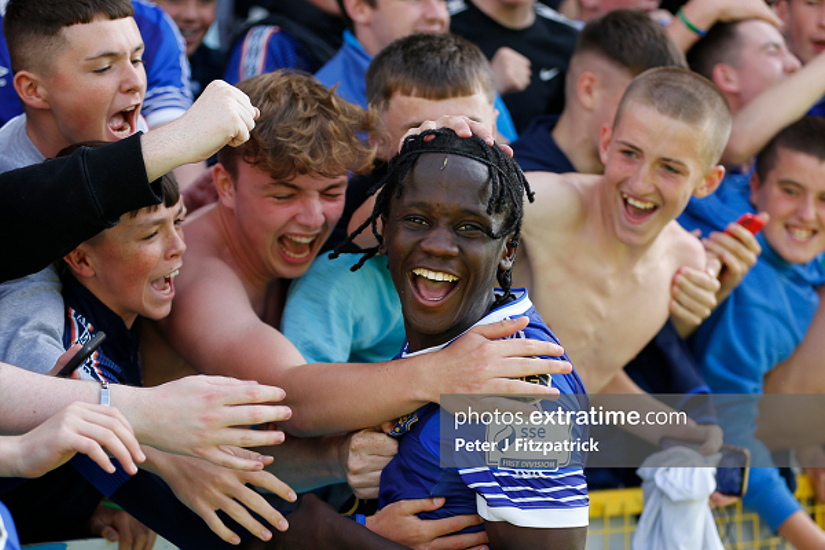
[224, 185]
[380, 139]
[29, 87]
[508, 256]
[80, 262]
[591, 5]
[359, 11]
[725, 77]
[382, 229]
[710, 182]
[604, 142]
[756, 186]
[587, 90]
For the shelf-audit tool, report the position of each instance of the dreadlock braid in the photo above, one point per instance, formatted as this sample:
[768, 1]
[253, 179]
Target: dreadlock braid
[507, 182]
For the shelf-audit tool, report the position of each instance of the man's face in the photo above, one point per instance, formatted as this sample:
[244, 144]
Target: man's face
[136, 261]
[764, 59]
[804, 26]
[653, 164]
[193, 17]
[96, 84]
[404, 112]
[441, 256]
[394, 19]
[282, 224]
[793, 194]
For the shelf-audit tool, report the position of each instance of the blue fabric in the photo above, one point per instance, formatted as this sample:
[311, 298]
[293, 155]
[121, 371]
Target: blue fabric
[818, 109]
[348, 69]
[263, 49]
[10, 105]
[357, 318]
[536, 150]
[758, 326]
[168, 92]
[415, 471]
[8, 534]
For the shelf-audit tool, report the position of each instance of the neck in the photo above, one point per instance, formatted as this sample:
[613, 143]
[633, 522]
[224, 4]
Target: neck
[43, 132]
[367, 39]
[571, 136]
[518, 16]
[239, 257]
[417, 341]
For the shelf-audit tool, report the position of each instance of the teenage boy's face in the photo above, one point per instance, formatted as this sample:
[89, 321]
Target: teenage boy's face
[441, 258]
[653, 164]
[97, 82]
[405, 112]
[394, 19]
[136, 261]
[793, 194]
[764, 58]
[804, 26]
[283, 224]
[193, 17]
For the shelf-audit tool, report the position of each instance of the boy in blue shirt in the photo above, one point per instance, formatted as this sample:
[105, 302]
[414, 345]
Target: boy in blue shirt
[451, 210]
[766, 317]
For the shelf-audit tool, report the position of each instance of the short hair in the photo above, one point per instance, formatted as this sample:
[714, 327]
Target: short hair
[168, 183]
[632, 40]
[33, 27]
[686, 96]
[507, 181]
[722, 44]
[806, 135]
[430, 66]
[303, 128]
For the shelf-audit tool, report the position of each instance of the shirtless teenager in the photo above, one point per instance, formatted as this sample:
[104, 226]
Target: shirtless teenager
[613, 237]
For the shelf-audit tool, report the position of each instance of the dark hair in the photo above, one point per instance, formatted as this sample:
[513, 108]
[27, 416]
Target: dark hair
[686, 96]
[168, 183]
[506, 179]
[32, 27]
[630, 39]
[303, 128]
[807, 136]
[722, 44]
[430, 66]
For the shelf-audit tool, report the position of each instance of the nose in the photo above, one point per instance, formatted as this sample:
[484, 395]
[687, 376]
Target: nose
[311, 213]
[641, 182]
[176, 245]
[792, 63]
[134, 78]
[435, 12]
[189, 10]
[439, 242]
[806, 209]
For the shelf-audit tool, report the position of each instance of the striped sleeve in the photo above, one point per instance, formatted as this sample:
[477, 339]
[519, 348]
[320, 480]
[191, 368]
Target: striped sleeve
[530, 498]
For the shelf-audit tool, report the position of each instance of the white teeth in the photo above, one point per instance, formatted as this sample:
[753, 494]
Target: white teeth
[291, 254]
[174, 274]
[434, 275]
[800, 233]
[130, 109]
[301, 240]
[642, 205]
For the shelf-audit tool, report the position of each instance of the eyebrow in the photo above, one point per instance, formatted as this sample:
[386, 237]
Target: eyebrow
[159, 219]
[298, 188]
[664, 159]
[110, 54]
[419, 123]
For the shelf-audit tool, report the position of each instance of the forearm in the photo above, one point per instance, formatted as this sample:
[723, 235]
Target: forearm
[801, 531]
[9, 456]
[783, 103]
[307, 463]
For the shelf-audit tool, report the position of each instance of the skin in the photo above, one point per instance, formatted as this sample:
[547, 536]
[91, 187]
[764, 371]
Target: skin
[193, 18]
[131, 267]
[793, 194]
[581, 231]
[440, 225]
[92, 90]
[804, 23]
[387, 21]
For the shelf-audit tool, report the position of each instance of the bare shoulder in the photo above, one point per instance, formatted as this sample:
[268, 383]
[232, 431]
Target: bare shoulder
[561, 200]
[683, 248]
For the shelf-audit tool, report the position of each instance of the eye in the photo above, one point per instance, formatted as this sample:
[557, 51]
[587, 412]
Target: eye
[283, 197]
[790, 191]
[151, 236]
[470, 227]
[628, 153]
[102, 70]
[138, 62]
[671, 169]
[416, 220]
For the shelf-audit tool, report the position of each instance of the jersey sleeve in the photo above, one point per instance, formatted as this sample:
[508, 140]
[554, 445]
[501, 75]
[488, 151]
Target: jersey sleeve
[263, 49]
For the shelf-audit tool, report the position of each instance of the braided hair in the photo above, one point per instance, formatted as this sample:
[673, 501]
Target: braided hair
[506, 179]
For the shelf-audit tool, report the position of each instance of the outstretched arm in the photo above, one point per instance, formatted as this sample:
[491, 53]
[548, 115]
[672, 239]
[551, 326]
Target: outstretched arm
[703, 14]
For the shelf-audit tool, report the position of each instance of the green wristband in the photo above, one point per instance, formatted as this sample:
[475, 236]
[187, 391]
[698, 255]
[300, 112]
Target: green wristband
[690, 25]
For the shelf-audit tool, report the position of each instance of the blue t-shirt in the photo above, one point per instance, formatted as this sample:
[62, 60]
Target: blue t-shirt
[8, 534]
[266, 48]
[536, 150]
[759, 325]
[536, 498]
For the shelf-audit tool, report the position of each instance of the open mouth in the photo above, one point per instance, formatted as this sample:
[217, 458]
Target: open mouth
[123, 123]
[296, 247]
[637, 209]
[433, 286]
[165, 285]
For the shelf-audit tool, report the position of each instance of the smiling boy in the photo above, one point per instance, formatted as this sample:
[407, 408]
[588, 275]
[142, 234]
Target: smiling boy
[766, 317]
[451, 211]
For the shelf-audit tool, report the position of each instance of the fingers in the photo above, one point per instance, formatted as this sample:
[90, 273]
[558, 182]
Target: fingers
[502, 329]
[459, 542]
[217, 455]
[217, 526]
[695, 292]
